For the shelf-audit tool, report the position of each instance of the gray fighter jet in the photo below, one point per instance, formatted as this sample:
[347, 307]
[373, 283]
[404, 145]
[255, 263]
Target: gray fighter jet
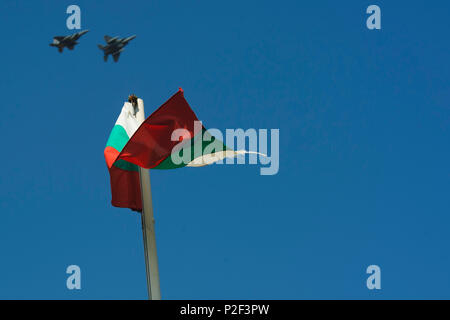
[67, 41]
[114, 46]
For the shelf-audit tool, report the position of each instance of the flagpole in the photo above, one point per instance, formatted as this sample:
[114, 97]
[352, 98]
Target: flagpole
[148, 223]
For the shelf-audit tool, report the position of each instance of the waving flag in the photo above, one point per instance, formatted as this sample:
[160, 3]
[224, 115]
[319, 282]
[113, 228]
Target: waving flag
[152, 145]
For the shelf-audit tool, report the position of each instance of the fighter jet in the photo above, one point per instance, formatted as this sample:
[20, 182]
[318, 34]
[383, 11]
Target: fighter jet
[67, 41]
[114, 46]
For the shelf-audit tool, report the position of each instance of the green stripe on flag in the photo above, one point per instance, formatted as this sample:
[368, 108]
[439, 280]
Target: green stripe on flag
[118, 138]
[209, 144]
[125, 165]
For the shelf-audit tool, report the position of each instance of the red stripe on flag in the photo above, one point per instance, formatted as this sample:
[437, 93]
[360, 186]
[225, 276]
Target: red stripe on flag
[125, 189]
[110, 156]
[152, 143]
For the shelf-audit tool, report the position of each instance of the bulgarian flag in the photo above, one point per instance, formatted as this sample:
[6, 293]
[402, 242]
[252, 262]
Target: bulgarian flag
[169, 138]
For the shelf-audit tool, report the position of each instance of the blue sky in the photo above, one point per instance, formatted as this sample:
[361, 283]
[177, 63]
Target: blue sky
[364, 150]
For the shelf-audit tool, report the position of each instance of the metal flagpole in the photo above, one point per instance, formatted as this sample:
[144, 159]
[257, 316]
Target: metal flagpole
[148, 222]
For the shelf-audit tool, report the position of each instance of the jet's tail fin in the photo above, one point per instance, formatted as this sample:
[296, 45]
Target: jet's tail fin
[105, 57]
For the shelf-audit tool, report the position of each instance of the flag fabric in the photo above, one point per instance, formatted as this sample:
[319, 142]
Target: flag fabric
[152, 145]
[124, 176]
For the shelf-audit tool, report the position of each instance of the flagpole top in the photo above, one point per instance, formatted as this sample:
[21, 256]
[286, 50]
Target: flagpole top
[132, 99]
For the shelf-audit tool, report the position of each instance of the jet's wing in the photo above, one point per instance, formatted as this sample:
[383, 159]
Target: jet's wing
[77, 36]
[59, 38]
[116, 56]
[107, 38]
